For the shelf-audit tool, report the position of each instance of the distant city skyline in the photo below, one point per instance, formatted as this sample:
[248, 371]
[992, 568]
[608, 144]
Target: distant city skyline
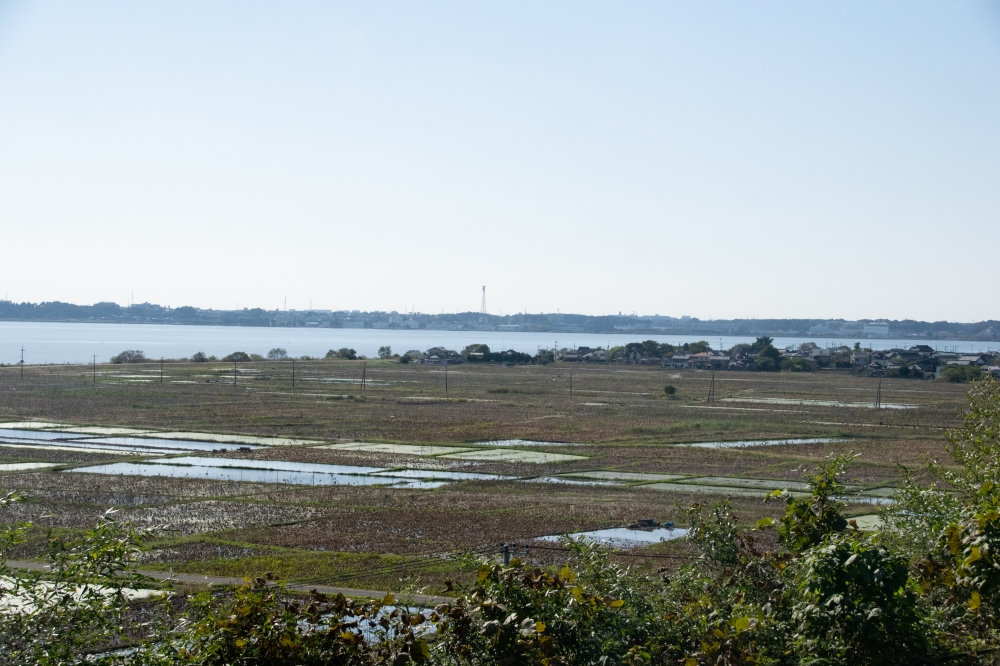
[720, 160]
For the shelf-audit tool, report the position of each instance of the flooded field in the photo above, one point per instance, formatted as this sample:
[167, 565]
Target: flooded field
[513, 455]
[234, 439]
[822, 403]
[762, 442]
[400, 449]
[627, 476]
[298, 479]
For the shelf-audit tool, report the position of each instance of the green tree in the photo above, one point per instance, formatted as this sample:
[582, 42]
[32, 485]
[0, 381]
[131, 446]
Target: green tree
[385, 352]
[240, 357]
[476, 349]
[277, 354]
[961, 373]
[696, 347]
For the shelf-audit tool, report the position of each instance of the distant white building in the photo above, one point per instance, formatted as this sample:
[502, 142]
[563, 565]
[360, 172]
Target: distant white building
[828, 328]
[878, 329]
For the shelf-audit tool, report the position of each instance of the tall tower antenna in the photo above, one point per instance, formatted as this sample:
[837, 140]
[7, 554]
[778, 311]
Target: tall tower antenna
[482, 310]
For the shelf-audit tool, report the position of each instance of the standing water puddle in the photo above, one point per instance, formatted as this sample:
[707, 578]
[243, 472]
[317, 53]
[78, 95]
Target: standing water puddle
[274, 471]
[219, 473]
[623, 537]
[764, 442]
[819, 403]
[165, 444]
[36, 435]
[521, 442]
[440, 474]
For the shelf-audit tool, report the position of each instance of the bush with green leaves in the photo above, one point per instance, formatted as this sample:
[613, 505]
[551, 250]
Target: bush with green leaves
[961, 373]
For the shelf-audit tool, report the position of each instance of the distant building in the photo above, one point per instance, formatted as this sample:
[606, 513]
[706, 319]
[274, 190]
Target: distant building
[876, 329]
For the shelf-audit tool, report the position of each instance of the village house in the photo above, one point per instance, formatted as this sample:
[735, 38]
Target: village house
[677, 361]
[440, 356]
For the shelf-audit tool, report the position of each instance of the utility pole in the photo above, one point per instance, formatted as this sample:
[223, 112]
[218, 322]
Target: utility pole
[293, 374]
[22, 362]
[364, 375]
[878, 395]
[95, 370]
[161, 369]
[711, 388]
[234, 372]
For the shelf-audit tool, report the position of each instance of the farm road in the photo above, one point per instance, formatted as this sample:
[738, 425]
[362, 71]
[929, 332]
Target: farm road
[196, 579]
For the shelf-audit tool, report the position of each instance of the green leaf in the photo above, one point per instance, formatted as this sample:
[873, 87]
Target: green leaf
[741, 623]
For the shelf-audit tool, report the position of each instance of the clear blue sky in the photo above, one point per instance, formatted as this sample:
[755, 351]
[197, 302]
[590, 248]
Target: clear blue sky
[836, 159]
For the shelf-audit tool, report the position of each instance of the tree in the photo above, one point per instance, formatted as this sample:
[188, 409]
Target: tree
[475, 349]
[346, 353]
[762, 343]
[544, 357]
[385, 352]
[696, 347]
[129, 356]
[961, 373]
[277, 354]
[795, 364]
[238, 357]
[670, 390]
[199, 357]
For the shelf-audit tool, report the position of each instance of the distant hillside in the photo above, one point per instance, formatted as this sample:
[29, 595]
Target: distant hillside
[820, 329]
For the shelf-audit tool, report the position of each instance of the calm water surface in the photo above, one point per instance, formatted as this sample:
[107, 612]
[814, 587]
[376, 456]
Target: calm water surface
[46, 342]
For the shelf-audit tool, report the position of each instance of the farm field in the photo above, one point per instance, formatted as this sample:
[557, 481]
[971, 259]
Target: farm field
[377, 474]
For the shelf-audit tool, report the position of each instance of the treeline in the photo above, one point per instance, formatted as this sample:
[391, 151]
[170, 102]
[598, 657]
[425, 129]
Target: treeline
[813, 587]
[571, 323]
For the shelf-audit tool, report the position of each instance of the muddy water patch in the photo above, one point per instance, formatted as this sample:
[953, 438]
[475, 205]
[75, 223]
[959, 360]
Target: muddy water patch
[612, 475]
[623, 537]
[514, 455]
[234, 439]
[80, 447]
[25, 466]
[36, 435]
[521, 442]
[217, 473]
[765, 442]
[820, 403]
[400, 449]
[141, 443]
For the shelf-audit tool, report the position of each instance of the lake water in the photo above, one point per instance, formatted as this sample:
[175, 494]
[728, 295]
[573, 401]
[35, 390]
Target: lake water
[47, 342]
